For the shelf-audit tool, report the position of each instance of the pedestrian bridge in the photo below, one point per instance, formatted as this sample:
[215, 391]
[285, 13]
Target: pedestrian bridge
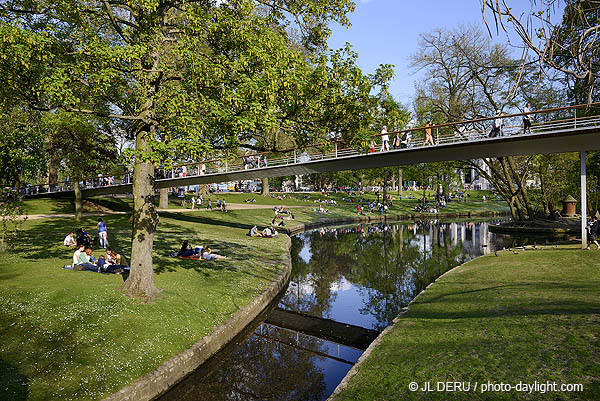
[557, 136]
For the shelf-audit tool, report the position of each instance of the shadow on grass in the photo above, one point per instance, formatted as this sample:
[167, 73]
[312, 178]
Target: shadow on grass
[14, 385]
[207, 220]
[44, 239]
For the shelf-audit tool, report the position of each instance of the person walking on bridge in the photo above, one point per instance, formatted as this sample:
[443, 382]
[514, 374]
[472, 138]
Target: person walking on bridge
[428, 137]
[527, 119]
[385, 140]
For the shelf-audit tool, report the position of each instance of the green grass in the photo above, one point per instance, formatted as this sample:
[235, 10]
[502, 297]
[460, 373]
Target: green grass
[533, 316]
[73, 335]
[401, 206]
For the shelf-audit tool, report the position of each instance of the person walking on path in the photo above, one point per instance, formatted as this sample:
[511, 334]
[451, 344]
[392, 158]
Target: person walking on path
[593, 228]
[527, 119]
[193, 201]
[102, 233]
[385, 140]
[428, 136]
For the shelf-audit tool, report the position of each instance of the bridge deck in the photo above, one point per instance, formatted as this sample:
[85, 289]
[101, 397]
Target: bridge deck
[560, 140]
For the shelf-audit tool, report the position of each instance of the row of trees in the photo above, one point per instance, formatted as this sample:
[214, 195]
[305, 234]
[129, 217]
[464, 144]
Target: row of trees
[185, 80]
[182, 80]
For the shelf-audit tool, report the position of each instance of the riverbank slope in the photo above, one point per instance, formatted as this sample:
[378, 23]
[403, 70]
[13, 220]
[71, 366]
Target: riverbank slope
[531, 316]
[59, 323]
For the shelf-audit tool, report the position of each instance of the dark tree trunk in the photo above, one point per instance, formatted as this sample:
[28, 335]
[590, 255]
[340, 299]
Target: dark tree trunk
[78, 200]
[53, 163]
[140, 283]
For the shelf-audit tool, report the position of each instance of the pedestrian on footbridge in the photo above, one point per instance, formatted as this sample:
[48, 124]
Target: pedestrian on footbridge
[428, 137]
[385, 140]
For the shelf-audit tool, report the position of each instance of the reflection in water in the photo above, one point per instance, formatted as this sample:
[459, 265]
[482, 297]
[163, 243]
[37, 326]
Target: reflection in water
[360, 275]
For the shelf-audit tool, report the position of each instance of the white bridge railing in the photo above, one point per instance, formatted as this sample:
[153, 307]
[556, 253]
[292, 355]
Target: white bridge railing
[330, 151]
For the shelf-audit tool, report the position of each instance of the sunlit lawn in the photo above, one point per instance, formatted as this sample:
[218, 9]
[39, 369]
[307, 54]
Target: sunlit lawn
[72, 335]
[531, 316]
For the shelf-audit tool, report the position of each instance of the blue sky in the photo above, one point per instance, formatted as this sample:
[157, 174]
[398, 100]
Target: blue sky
[387, 31]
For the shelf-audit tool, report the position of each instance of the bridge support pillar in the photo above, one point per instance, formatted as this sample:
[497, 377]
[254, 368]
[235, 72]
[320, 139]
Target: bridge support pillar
[583, 201]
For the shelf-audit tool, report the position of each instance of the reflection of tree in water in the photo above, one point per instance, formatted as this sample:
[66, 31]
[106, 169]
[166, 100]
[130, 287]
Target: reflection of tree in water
[332, 259]
[264, 369]
[389, 264]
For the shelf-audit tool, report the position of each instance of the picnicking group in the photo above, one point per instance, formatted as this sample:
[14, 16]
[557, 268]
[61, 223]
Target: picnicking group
[83, 258]
[201, 253]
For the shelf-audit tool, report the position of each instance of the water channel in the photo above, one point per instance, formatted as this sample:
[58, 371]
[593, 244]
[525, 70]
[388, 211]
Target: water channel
[348, 283]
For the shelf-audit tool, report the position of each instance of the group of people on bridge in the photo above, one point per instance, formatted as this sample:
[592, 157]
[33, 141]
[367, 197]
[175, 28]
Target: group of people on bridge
[403, 140]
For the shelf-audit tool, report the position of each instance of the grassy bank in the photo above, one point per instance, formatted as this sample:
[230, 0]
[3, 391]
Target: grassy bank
[531, 316]
[72, 335]
[402, 204]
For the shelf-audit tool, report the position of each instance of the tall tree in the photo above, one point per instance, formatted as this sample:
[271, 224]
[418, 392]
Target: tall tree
[189, 76]
[568, 44]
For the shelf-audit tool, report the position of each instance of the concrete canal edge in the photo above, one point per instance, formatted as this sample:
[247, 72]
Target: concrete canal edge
[356, 368]
[156, 383]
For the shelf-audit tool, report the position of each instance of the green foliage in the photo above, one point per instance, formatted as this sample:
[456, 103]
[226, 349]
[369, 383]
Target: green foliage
[12, 217]
[81, 143]
[22, 141]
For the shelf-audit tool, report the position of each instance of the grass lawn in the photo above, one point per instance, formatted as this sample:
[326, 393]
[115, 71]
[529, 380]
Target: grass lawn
[533, 316]
[72, 335]
[403, 206]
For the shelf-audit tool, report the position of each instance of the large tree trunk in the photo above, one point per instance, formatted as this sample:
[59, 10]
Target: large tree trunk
[140, 283]
[265, 187]
[53, 163]
[78, 200]
[399, 180]
[164, 199]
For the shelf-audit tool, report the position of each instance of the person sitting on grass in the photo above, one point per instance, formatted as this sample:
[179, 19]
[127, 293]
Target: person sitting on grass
[85, 261]
[253, 232]
[101, 262]
[119, 266]
[269, 232]
[76, 254]
[186, 250]
[70, 240]
[207, 254]
[83, 238]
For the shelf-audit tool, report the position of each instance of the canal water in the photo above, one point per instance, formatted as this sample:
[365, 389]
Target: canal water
[348, 283]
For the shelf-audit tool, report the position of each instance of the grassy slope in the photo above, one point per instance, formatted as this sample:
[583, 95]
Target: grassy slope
[474, 203]
[72, 335]
[525, 317]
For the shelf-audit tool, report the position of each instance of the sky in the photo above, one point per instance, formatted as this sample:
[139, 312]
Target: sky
[387, 32]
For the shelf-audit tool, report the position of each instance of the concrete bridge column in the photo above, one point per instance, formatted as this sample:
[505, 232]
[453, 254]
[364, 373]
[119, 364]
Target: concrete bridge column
[583, 201]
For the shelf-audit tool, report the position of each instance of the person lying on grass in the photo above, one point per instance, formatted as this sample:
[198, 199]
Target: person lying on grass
[207, 254]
